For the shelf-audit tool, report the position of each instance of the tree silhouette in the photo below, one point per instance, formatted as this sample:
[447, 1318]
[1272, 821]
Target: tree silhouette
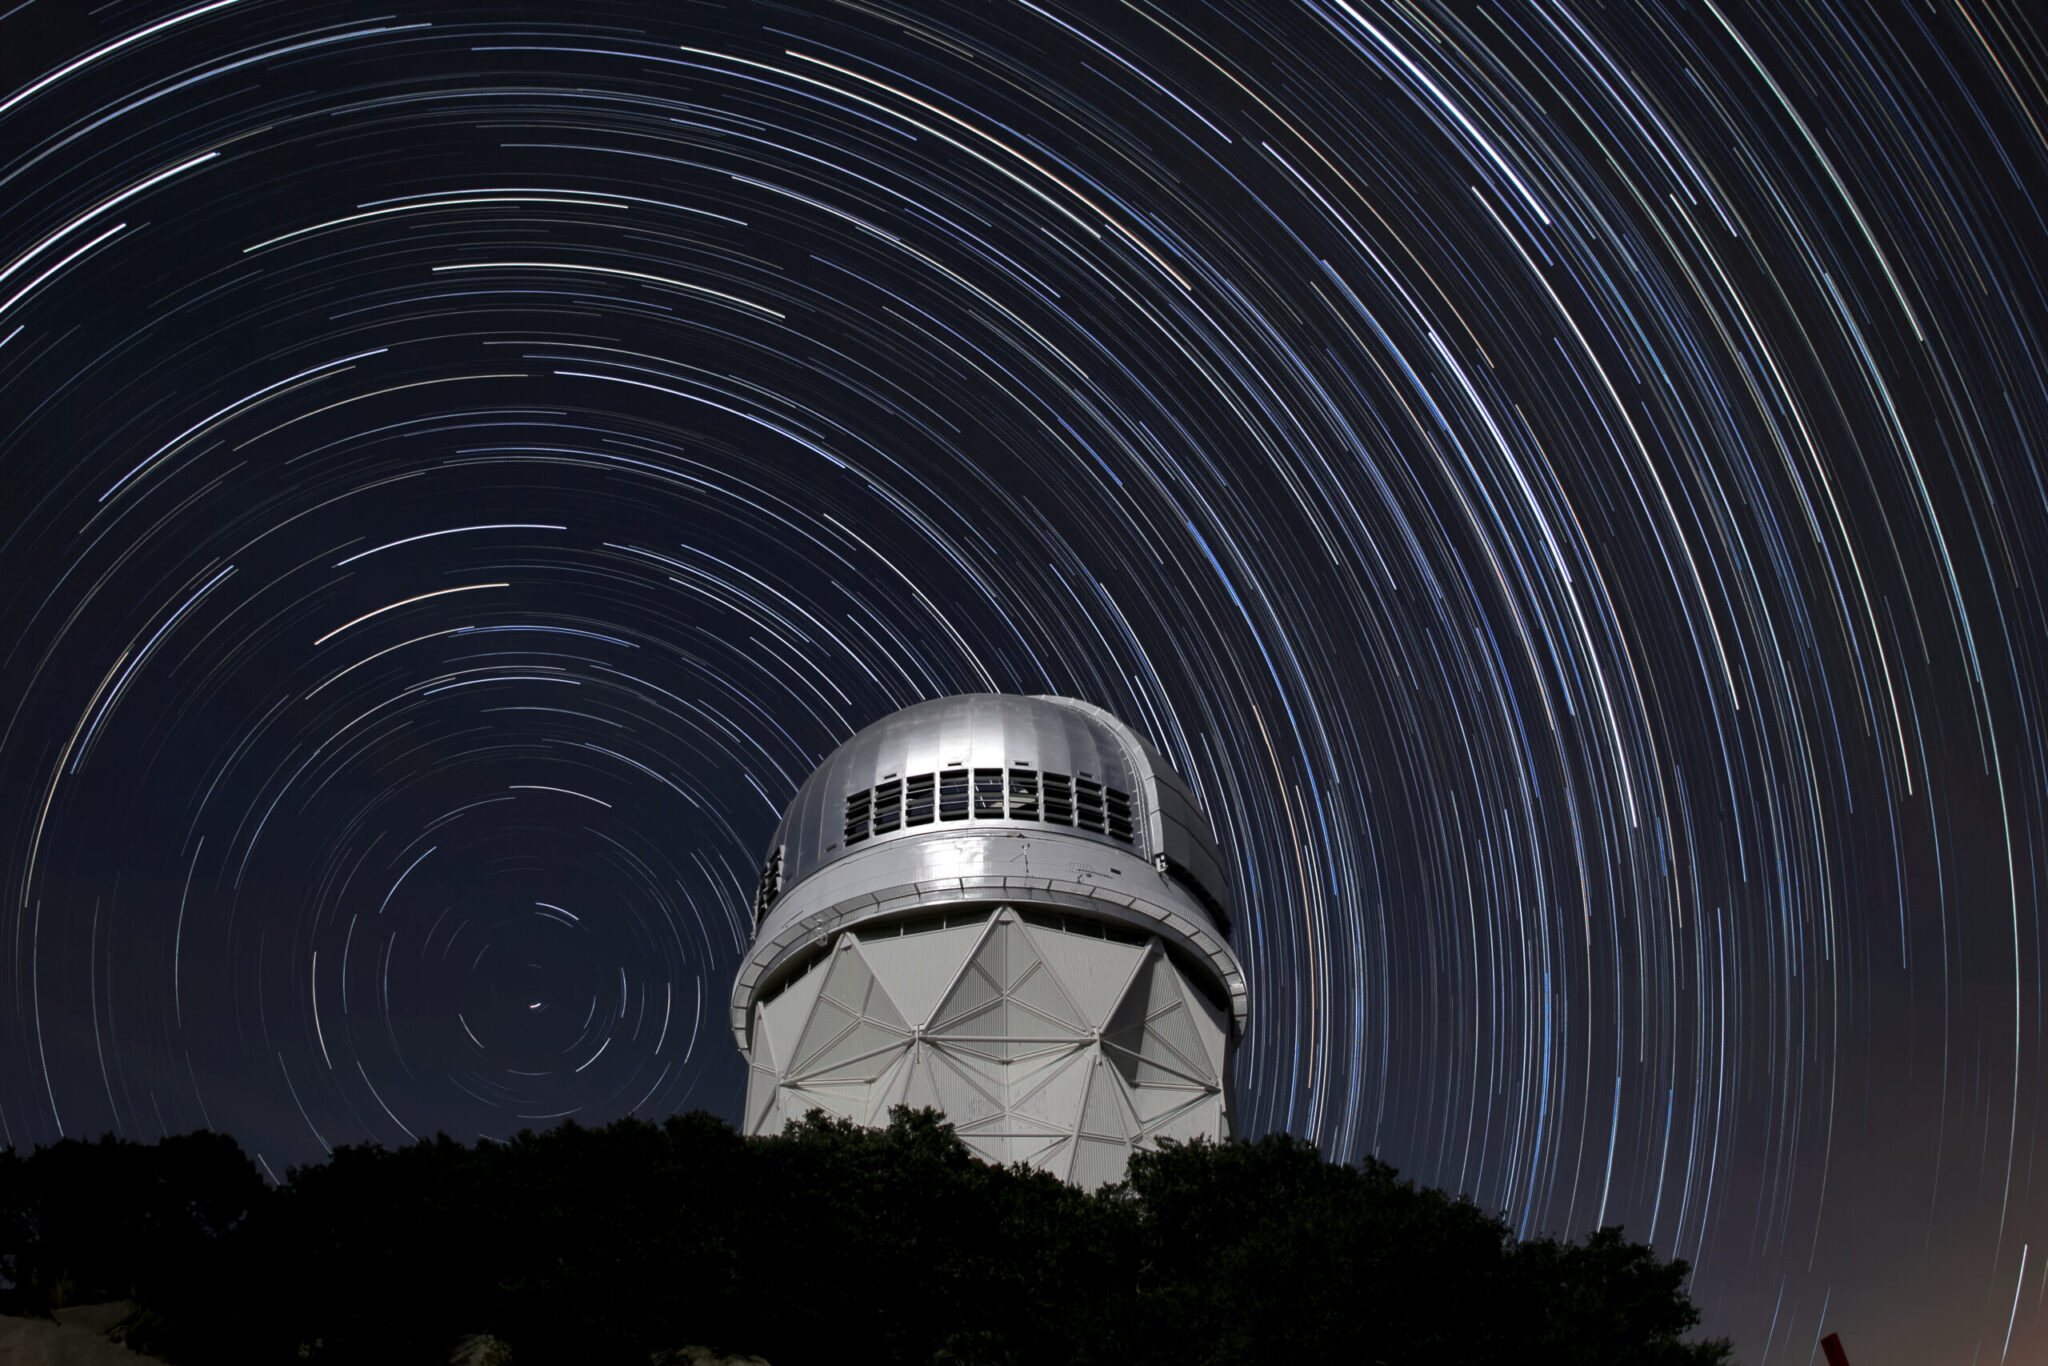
[826, 1243]
[87, 1222]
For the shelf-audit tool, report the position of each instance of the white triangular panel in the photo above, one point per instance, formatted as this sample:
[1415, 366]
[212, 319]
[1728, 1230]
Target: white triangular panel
[1057, 1098]
[1201, 1117]
[1093, 971]
[850, 983]
[1029, 1035]
[1037, 989]
[1027, 1074]
[1162, 984]
[974, 992]
[852, 1022]
[891, 1088]
[1151, 1037]
[999, 964]
[1028, 1067]
[1124, 1036]
[964, 1097]
[983, 1024]
[1097, 1162]
[1104, 1111]
[989, 1148]
[998, 952]
[829, 1023]
[798, 1101]
[862, 1054]
[1156, 1067]
[918, 1091]
[1171, 1041]
[783, 1018]
[1154, 1103]
[916, 969]
[1053, 1157]
[846, 1098]
[764, 1113]
[1213, 1027]
[1128, 1017]
[1039, 1131]
[977, 1058]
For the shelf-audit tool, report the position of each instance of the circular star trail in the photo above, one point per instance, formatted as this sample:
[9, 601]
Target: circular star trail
[1562, 481]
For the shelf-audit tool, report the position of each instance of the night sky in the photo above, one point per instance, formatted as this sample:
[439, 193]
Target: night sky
[1563, 481]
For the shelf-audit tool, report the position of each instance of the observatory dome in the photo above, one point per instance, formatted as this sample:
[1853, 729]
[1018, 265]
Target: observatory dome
[1010, 908]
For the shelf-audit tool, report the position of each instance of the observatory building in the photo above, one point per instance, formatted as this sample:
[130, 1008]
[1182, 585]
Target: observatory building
[1006, 908]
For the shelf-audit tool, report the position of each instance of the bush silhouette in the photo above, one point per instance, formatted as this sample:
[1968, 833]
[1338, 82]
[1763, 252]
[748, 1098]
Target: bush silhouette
[88, 1222]
[827, 1243]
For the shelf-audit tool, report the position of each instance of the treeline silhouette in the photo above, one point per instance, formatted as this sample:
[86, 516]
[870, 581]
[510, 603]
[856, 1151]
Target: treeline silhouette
[829, 1243]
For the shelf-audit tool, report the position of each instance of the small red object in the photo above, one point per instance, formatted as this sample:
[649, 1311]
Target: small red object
[1832, 1345]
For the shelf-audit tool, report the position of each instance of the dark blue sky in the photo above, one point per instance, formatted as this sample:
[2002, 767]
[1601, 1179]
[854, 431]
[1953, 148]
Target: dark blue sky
[1562, 481]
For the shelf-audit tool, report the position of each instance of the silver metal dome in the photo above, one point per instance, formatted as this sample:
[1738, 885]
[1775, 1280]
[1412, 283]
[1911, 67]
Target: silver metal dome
[967, 902]
[969, 761]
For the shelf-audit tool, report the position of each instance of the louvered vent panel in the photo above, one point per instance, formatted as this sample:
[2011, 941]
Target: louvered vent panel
[1023, 795]
[953, 794]
[888, 805]
[1119, 814]
[770, 885]
[918, 799]
[1088, 805]
[988, 794]
[1059, 798]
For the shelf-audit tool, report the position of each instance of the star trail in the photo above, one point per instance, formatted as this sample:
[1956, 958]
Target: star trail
[1562, 481]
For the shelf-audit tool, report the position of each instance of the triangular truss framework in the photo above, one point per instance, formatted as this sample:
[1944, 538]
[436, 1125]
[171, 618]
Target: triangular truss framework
[1059, 1049]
